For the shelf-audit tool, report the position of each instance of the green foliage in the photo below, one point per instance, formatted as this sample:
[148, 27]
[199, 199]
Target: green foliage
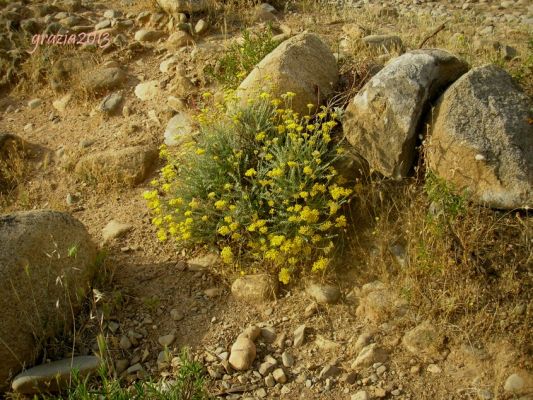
[189, 384]
[444, 197]
[241, 58]
[259, 184]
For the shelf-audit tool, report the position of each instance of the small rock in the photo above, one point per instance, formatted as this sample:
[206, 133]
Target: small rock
[32, 104]
[423, 341]
[115, 229]
[252, 332]
[270, 381]
[213, 292]
[176, 315]
[147, 90]
[134, 368]
[166, 340]
[62, 103]
[242, 354]
[202, 262]
[369, 355]
[350, 378]
[52, 376]
[514, 384]
[257, 288]
[201, 27]
[360, 395]
[324, 294]
[178, 39]
[329, 371]
[268, 334]
[146, 35]
[287, 359]
[121, 366]
[299, 335]
[279, 375]
[265, 368]
[434, 369]
[179, 129]
[111, 103]
[125, 343]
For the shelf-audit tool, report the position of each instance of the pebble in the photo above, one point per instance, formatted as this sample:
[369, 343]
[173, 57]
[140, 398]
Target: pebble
[279, 375]
[434, 369]
[166, 340]
[514, 383]
[115, 229]
[370, 355]
[287, 359]
[299, 335]
[176, 315]
[50, 376]
[125, 343]
[34, 103]
[270, 381]
[147, 90]
[324, 294]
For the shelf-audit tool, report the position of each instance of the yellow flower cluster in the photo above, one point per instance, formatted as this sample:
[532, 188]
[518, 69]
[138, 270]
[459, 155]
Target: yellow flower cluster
[264, 193]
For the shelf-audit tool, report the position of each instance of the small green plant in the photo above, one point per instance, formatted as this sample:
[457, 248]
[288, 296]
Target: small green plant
[444, 197]
[259, 184]
[188, 384]
[241, 58]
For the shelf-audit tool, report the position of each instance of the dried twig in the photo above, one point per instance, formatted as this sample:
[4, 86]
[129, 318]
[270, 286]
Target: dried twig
[432, 34]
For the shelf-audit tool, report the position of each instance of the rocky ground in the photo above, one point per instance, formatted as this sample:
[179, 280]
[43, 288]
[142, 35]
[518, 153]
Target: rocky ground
[354, 337]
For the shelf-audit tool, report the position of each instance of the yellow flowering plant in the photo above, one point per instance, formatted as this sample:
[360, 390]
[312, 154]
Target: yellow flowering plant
[263, 188]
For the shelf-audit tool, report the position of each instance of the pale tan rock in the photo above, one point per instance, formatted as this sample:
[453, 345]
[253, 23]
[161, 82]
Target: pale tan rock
[242, 353]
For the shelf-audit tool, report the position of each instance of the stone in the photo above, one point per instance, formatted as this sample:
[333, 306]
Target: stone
[387, 43]
[202, 262]
[349, 378]
[129, 166]
[480, 139]
[166, 340]
[125, 343]
[34, 103]
[434, 369]
[268, 334]
[325, 344]
[369, 355]
[242, 354]
[324, 294]
[258, 288]
[252, 332]
[379, 304]
[169, 64]
[423, 341]
[303, 65]
[381, 121]
[115, 229]
[329, 371]
[299, 336]
[270, 381]
[363, 340]
[104, 79]
[147, 90]
[176, 315]
[55, 375]
[178, 39]
[201, 27]
[213, 292]
[33, 307]
[62, 103]
[287, 359]
[147, 35]
[179, 129]
[360, 395]
[175, 7]
[514, 384]
[266, 367]
[121, 366]
[279, 375]
[111, 103]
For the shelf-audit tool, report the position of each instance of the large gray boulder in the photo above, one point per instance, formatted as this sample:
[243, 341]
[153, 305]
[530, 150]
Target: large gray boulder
[46, 266]
[303, 64]
[173, 7]
[482, 139]
[381, 121]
